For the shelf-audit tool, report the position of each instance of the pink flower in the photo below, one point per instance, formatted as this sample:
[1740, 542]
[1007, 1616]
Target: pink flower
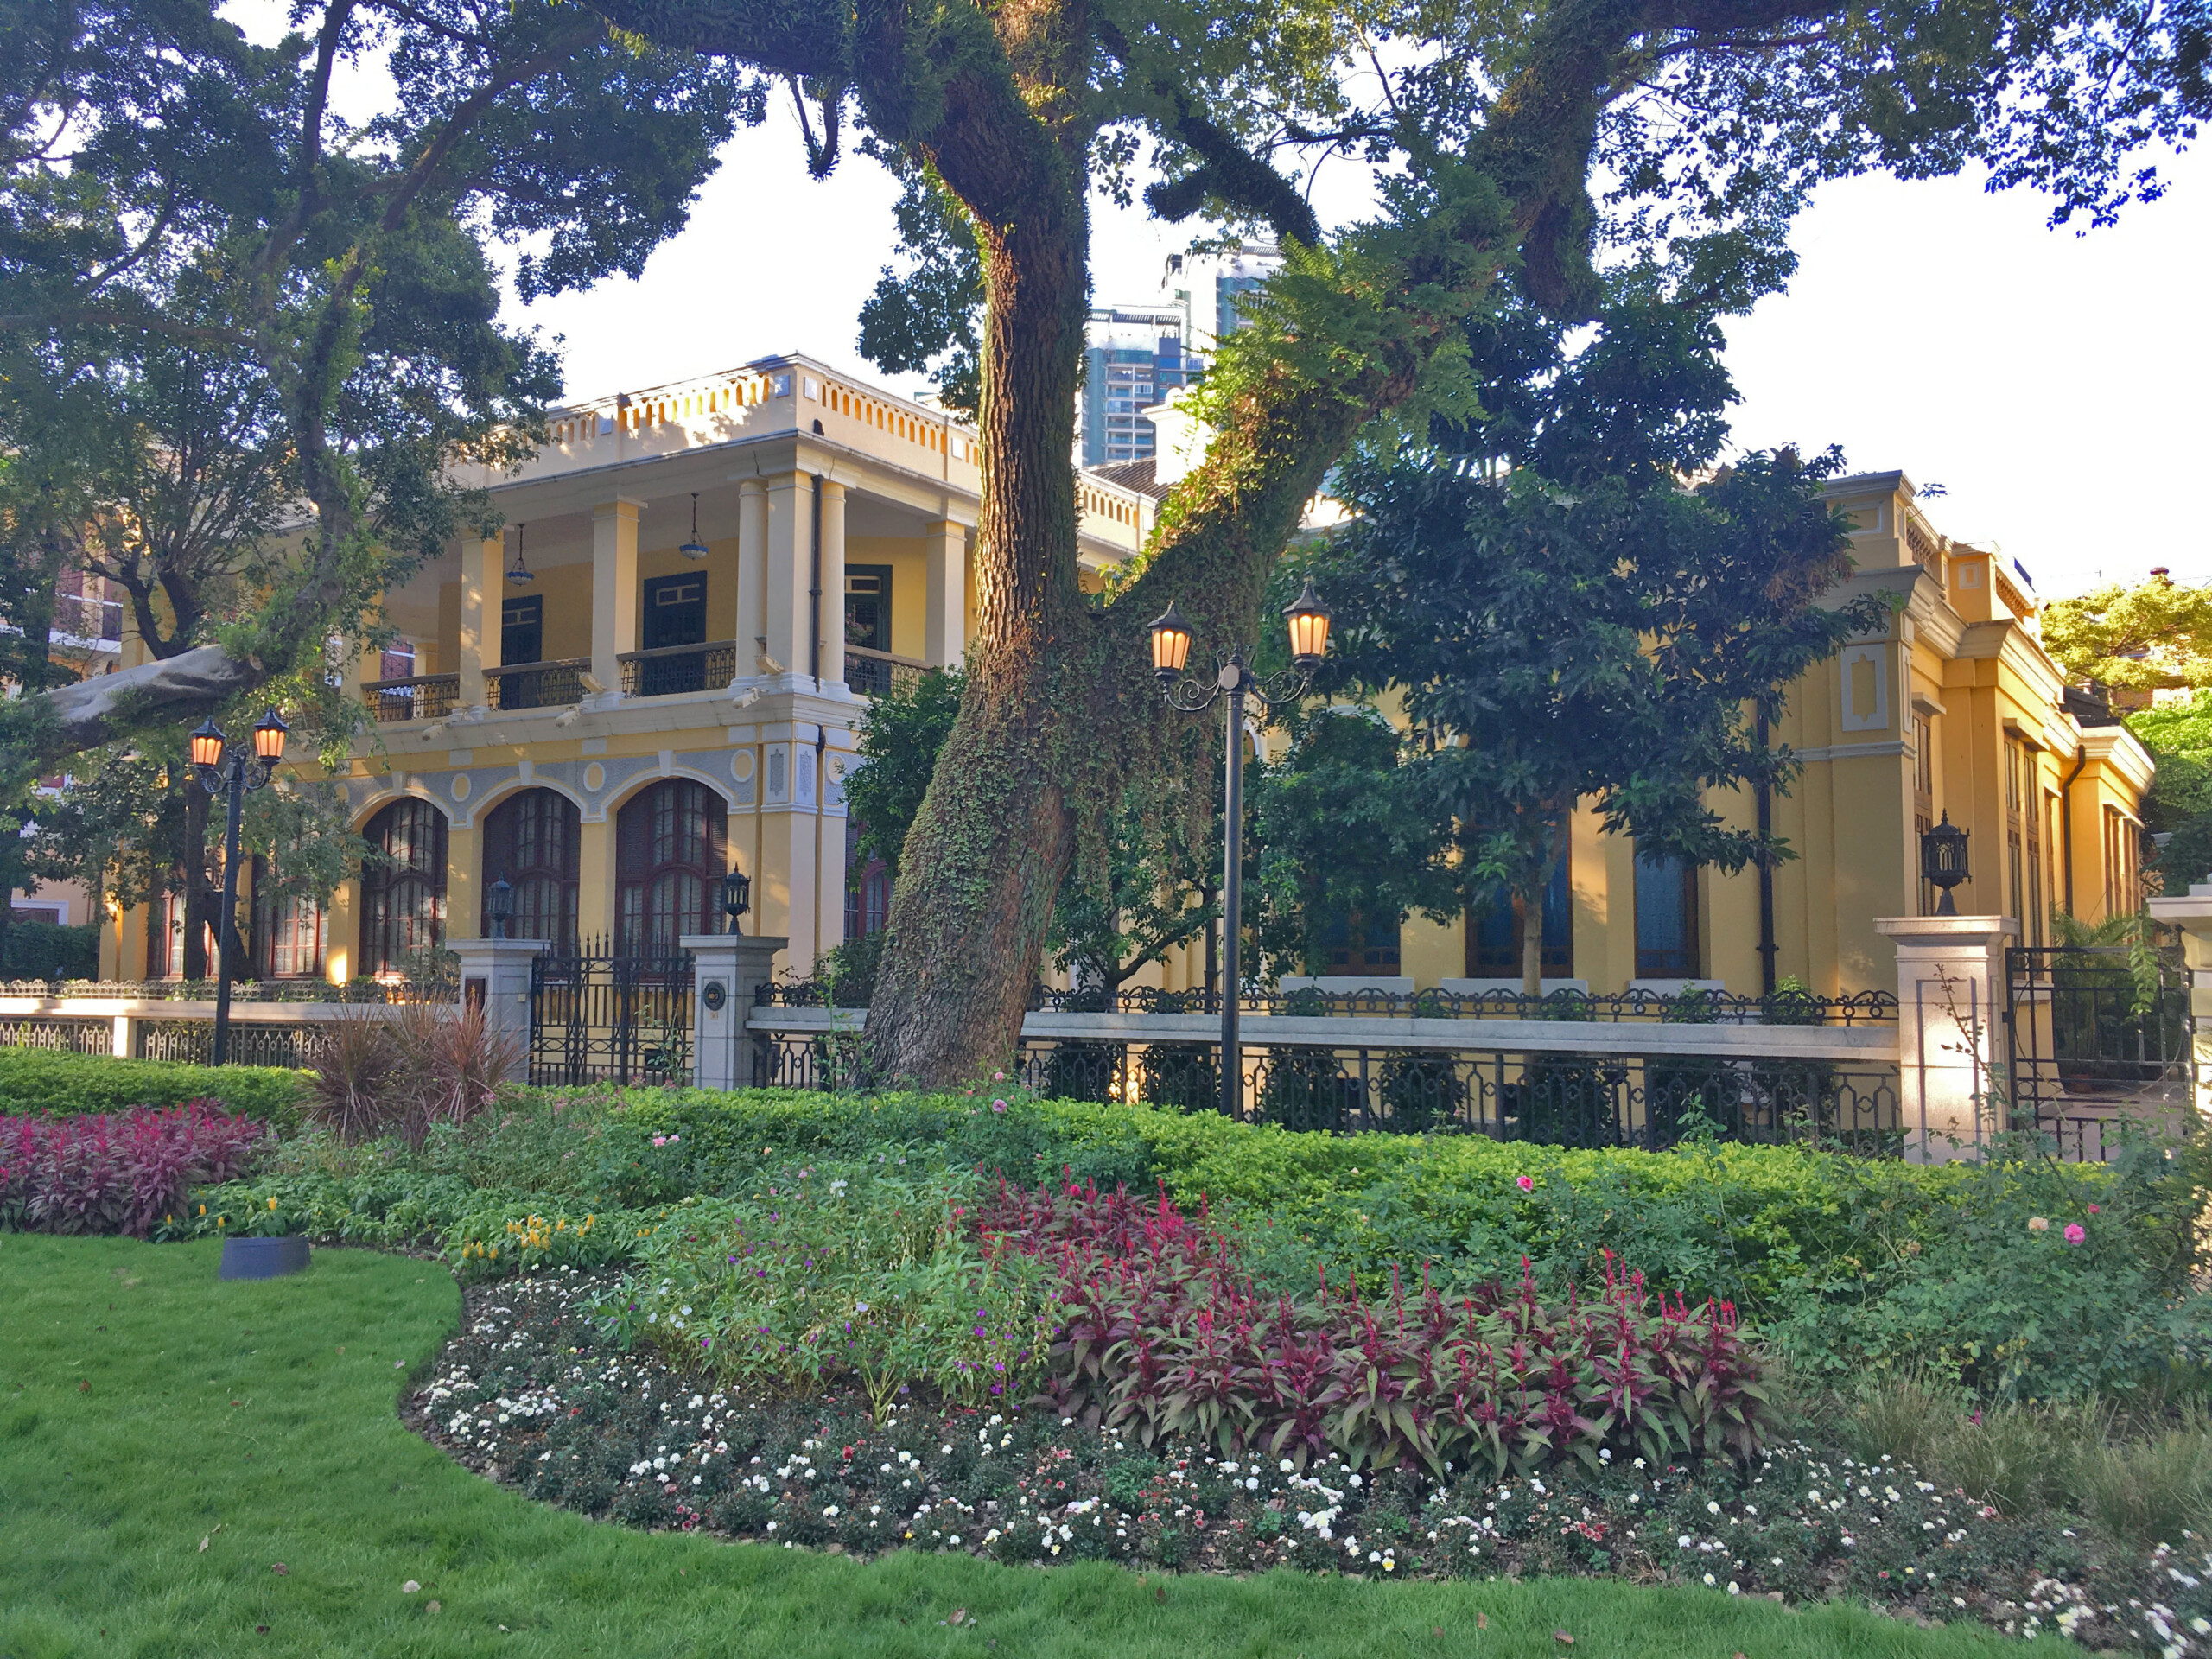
[2093, 1209]
[998, 1077]
[2075, 1232]
[1526, 1183]
[998, 1105]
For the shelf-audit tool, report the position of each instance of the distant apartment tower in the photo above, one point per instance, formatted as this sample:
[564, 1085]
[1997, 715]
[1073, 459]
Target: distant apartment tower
[1132, 360]
[1208, 287]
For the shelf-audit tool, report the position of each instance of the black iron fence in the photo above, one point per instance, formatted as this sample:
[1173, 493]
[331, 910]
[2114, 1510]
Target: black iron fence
[596, 1017]
[2099, 1036]
[1681, 1008]
[1572, 1099]
[668, 670]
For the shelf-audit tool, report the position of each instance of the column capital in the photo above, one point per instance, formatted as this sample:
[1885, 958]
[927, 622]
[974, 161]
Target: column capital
[832, 490]
[622, 506]
[751, 484]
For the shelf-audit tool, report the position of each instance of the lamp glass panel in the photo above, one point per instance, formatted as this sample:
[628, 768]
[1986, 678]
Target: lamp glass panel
[268, 738]
[207, 747]
[1170, 648]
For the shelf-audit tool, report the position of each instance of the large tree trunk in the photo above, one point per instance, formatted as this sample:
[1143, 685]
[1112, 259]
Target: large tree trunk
[995, 833]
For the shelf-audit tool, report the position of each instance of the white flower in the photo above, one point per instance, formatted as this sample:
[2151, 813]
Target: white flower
[1286, 1466]
[1709, 1579]
[1734, 1589]
[1711, 1507]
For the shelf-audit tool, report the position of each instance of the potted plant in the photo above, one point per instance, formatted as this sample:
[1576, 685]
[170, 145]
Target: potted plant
[263, 1247]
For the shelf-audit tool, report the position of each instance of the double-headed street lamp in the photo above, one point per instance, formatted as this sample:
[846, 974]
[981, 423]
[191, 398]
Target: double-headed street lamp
[1233, 682]
[241, 773]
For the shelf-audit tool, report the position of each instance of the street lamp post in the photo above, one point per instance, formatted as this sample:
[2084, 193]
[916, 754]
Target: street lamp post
[1307, 620]
[241, 774]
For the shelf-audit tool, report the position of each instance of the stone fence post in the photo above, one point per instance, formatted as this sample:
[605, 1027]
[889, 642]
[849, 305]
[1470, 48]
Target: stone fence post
[728, 968]
[2192, 914]
[495, 973]
[1951, 1048]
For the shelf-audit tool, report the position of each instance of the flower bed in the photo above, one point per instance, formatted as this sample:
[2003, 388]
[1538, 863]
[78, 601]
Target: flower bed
[533, 1394]
[125, 1173]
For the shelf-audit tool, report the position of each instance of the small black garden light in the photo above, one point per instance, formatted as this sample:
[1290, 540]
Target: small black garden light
[1943, 861]
[499, 906]
[737, 892]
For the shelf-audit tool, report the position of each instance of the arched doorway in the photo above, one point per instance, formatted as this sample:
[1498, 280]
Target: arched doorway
[670, 858]
[403, 892]
[534, 841]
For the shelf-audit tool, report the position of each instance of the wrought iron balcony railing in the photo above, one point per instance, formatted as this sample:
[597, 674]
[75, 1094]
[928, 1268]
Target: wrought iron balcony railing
[671, 669]
[872, 673]
[536, 685]
[421, 697]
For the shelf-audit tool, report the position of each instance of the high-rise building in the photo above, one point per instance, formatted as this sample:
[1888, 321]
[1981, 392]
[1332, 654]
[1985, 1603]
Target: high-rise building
[1132, 359]
[1208, 287]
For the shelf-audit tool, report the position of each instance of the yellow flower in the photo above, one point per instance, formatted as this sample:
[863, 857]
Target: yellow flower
[221, 1220]
[203, 1209]
[272, 1204]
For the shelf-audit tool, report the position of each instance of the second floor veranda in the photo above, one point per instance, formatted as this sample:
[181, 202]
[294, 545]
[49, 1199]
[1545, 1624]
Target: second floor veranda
[780, 528]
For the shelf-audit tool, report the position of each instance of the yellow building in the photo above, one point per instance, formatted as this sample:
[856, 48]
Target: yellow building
[656, 673]
[1956, 709]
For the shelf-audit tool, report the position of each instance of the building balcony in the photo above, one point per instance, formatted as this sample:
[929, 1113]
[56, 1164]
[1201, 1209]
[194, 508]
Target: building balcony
[420, 696]
[873, 673]
[536, 685]
[672, 669]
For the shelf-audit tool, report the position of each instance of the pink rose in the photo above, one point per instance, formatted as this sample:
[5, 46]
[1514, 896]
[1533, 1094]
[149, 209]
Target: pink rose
[1526, 1183]
[2093, 1209]
[998, 1105]
[2075, 1232]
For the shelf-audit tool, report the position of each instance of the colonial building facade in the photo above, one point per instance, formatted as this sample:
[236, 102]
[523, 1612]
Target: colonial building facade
[658, 673]
[655, 675]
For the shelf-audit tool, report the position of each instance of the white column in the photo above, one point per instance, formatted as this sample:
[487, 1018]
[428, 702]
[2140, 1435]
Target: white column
[789, 565]
[752, 635]
[497, 973]
[1951, 1020]
[479, 618]
[2192, 914]
[614, 590]
[945, 621]
[728, 967]
[833, 583]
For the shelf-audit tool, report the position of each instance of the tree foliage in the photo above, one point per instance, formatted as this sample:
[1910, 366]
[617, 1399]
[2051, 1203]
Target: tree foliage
[226, 308]
[1566, 619]
[2156, 633]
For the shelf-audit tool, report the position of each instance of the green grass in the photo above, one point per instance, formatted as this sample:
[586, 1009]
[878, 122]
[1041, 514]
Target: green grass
[145, 1407]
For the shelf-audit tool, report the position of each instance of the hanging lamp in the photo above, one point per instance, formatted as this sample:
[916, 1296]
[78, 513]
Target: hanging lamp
[521, 573]
[694, 549]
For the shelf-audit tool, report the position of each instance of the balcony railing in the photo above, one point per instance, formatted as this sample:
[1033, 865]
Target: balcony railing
[536, 685]
[87, 618]
[872, 673]
[670, 670]
[423, 697]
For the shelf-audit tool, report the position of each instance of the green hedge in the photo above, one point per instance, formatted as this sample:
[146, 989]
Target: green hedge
[45, 1082]
[1847, 1264]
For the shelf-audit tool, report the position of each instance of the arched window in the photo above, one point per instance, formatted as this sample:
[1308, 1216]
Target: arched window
[670, 855]
[535, 839]
[404, 892]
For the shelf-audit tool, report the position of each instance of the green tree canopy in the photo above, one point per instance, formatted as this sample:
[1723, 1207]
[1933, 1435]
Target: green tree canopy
[2156, 633]
[1566, 618]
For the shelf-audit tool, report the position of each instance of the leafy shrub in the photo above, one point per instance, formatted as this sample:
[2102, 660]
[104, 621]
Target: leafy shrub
[1161, 1336]
[432, 1064]
[45, 950]
[350, 1065]
[41, 1083]
[1422, 1091]
[105, 1174]
[864, 1272]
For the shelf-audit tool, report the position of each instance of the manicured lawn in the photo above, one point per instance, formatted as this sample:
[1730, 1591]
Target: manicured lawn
[144, 1407]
